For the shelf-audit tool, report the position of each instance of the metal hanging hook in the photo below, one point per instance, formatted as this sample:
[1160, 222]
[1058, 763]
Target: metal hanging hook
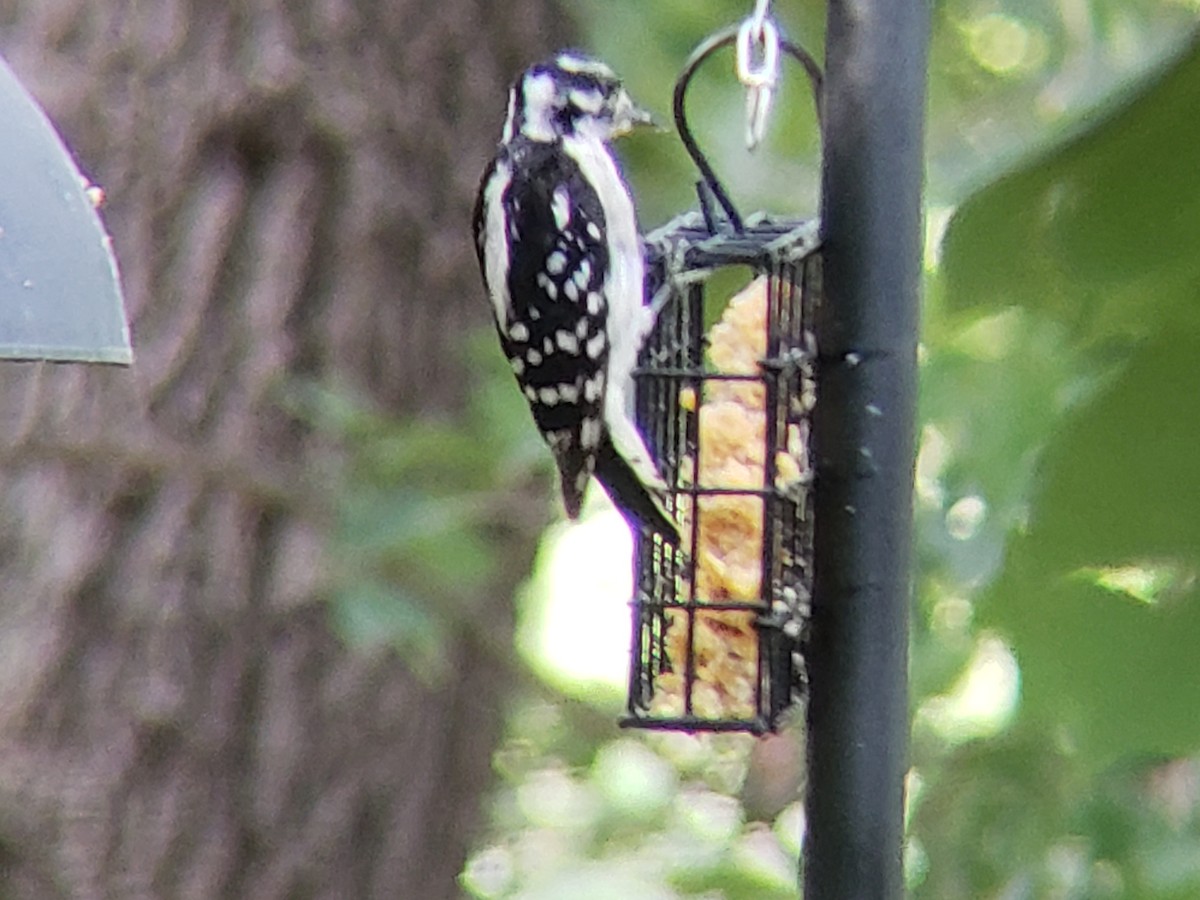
[761, 8]
[758, 104]
[758, 69]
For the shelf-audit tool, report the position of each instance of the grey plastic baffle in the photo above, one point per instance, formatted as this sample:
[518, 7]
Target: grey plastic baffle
[60, 294]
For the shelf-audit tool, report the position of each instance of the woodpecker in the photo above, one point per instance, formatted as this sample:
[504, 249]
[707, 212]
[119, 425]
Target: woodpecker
[561, 258]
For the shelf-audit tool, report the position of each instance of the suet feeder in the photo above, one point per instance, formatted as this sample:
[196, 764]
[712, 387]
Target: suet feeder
[720, 621]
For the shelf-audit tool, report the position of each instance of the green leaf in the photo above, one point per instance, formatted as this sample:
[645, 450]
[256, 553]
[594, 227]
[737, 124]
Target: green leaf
[1095, 242]
[369, 613]
[1110, 676]
[419, 503]
[990, 811]
[1121, 482]
[1101, 232]
[1097, 596]
[995, 390]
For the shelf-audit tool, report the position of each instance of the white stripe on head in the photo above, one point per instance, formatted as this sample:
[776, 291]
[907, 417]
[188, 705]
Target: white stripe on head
[590, 100]
[583, 65]
[510, 119]
[539, 93]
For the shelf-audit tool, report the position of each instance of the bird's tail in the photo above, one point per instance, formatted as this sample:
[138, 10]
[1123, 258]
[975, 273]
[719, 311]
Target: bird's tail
[635, 488]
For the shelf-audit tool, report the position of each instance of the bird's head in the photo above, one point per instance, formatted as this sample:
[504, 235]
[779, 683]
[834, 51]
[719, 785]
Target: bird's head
[571, 95]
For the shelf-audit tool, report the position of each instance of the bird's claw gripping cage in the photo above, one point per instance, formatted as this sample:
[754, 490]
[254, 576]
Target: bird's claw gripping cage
[720, 621]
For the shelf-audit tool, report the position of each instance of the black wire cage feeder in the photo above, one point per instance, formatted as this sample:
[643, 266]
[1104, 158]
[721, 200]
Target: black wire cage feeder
[725, 392]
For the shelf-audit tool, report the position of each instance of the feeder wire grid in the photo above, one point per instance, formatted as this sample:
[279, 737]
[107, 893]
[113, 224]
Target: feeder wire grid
[731, 660]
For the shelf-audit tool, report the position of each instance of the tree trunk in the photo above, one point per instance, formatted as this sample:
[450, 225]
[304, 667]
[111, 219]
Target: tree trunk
[289, 185]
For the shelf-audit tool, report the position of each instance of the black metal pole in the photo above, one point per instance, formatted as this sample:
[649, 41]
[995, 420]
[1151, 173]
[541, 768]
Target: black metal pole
[863, 438]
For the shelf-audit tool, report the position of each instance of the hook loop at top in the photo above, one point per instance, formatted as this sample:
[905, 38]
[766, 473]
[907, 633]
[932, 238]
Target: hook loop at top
[765, 72]
[710, 183]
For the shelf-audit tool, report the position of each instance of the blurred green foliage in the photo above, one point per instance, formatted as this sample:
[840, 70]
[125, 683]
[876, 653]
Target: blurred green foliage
[1081, 264]
[424, 510]
[1093, 242]
[1061, 377]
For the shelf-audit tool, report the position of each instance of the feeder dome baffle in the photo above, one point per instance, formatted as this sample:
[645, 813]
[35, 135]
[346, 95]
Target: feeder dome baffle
[60, 297]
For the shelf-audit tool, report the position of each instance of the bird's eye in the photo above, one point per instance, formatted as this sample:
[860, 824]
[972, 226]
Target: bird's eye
[565, 117]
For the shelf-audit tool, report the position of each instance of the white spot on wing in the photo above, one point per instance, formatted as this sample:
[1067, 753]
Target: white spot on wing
[594, 301]
[518, 365]
[519, 331]
[567, 341]
[556, 262]
[589, 434]
[560, 205]
[595, 345]
[571, 291]
[533, 357]
[593, 387]
[546, 283]
[548, 396]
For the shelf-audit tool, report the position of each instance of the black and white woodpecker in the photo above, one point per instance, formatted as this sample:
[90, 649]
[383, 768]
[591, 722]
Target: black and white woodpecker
[561, 257]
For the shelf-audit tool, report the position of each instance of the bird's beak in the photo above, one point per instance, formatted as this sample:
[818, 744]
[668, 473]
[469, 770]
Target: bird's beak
[629, 115]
